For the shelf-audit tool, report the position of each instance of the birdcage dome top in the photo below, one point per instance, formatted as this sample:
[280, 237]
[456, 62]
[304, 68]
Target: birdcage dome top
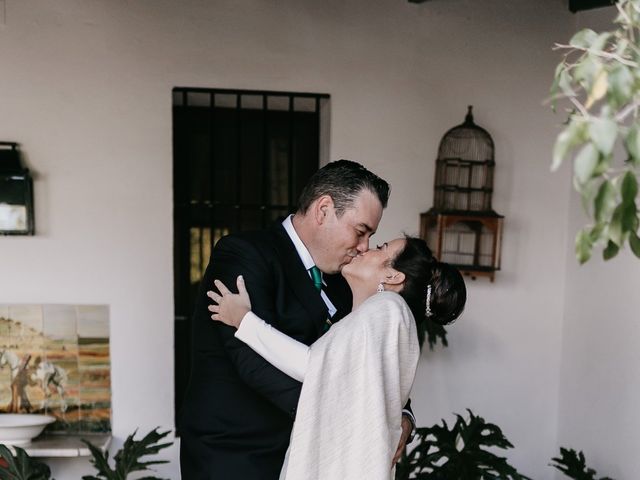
[467, 141]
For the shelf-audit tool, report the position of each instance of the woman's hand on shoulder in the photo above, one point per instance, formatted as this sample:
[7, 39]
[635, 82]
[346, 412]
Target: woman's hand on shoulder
[229, 308]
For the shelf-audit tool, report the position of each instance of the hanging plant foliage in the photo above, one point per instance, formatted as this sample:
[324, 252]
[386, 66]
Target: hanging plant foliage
[600, 78]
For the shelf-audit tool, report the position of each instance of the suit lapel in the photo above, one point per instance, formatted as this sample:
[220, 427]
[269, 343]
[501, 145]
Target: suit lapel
[298, 278]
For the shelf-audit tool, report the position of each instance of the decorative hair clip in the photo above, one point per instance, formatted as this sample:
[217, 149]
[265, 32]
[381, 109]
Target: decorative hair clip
[427, 310]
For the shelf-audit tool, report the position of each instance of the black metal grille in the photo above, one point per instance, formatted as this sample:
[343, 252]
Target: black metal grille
[241, 158]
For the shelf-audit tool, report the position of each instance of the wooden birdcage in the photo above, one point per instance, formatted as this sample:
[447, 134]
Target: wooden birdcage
[462, 228]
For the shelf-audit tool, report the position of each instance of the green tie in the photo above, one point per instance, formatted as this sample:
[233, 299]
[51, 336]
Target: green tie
[317, 277]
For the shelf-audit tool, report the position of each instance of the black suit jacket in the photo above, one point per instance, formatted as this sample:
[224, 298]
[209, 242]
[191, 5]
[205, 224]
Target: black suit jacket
[239, 409]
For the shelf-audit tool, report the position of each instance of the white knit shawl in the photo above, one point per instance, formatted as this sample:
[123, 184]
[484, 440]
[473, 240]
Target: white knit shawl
[358, 380]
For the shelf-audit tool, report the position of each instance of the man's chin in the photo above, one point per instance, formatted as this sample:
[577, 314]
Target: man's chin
[347, 261]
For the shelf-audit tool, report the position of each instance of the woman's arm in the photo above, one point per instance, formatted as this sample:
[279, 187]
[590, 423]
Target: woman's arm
[283, 352]
[280, 350]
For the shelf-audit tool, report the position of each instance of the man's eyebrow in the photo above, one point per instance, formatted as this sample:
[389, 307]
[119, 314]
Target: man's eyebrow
[366, 227]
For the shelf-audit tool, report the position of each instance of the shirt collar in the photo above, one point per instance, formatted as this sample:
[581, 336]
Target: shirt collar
[303, 253]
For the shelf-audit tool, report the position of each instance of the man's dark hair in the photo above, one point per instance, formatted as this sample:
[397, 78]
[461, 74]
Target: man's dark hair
[343, 181]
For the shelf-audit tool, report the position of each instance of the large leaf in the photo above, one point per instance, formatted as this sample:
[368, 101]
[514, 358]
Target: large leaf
[634, 243]
[573, 465]
[571, 136]
[596, 232]
[629, 219]
[556, 83]
[584, 38]
[588, 192]
[605, 201]
[586, 71]
[565, 84]
[632, 144]
[583, 246]
[128, 458]
[598, 89]
[600, 42]
[615, 226]
[629, 188]
[603, 133]
[586, 162]
[21, 466]
[604, 163]
[610, 251]
[620, 84]
[100, 461]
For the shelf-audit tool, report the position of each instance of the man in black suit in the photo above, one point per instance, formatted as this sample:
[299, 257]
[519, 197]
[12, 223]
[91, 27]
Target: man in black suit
[239, 409]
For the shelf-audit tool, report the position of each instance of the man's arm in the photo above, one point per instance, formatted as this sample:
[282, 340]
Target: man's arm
[408, 432]
[232, 257]
[411, 418]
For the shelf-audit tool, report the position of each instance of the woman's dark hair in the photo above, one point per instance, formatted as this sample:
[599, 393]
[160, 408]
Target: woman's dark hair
[342, 181]
[421, 269]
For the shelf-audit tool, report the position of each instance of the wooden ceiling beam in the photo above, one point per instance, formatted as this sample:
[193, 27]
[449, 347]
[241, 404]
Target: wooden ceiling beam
[578, 5]
[574, 5]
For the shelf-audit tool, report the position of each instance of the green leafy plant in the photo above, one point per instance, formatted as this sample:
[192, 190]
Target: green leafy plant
[21, 466]
[600, 77]
[573, 465]
[128, 458]
[458, 453]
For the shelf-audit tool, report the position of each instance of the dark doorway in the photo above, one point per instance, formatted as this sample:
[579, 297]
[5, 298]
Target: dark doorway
[240, 160]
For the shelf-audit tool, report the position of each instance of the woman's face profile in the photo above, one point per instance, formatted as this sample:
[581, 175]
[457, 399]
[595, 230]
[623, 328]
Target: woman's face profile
[375, 265]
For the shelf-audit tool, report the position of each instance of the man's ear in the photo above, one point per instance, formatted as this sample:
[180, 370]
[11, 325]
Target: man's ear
[322, 207]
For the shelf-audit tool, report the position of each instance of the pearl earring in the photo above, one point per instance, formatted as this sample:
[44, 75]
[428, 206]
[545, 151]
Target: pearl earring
[380, 287]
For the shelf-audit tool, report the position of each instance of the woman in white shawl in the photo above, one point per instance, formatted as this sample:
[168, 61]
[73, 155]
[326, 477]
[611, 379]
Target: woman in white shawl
[357, 377]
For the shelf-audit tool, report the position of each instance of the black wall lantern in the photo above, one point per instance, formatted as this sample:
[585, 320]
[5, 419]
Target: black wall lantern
[16, 193]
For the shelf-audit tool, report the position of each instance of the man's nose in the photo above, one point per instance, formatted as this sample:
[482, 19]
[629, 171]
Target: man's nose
[363, 245]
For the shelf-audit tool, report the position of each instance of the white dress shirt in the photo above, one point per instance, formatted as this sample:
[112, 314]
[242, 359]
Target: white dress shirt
[306, 258]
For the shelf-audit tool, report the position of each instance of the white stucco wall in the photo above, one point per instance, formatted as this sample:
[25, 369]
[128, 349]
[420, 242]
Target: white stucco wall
[86, 89]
